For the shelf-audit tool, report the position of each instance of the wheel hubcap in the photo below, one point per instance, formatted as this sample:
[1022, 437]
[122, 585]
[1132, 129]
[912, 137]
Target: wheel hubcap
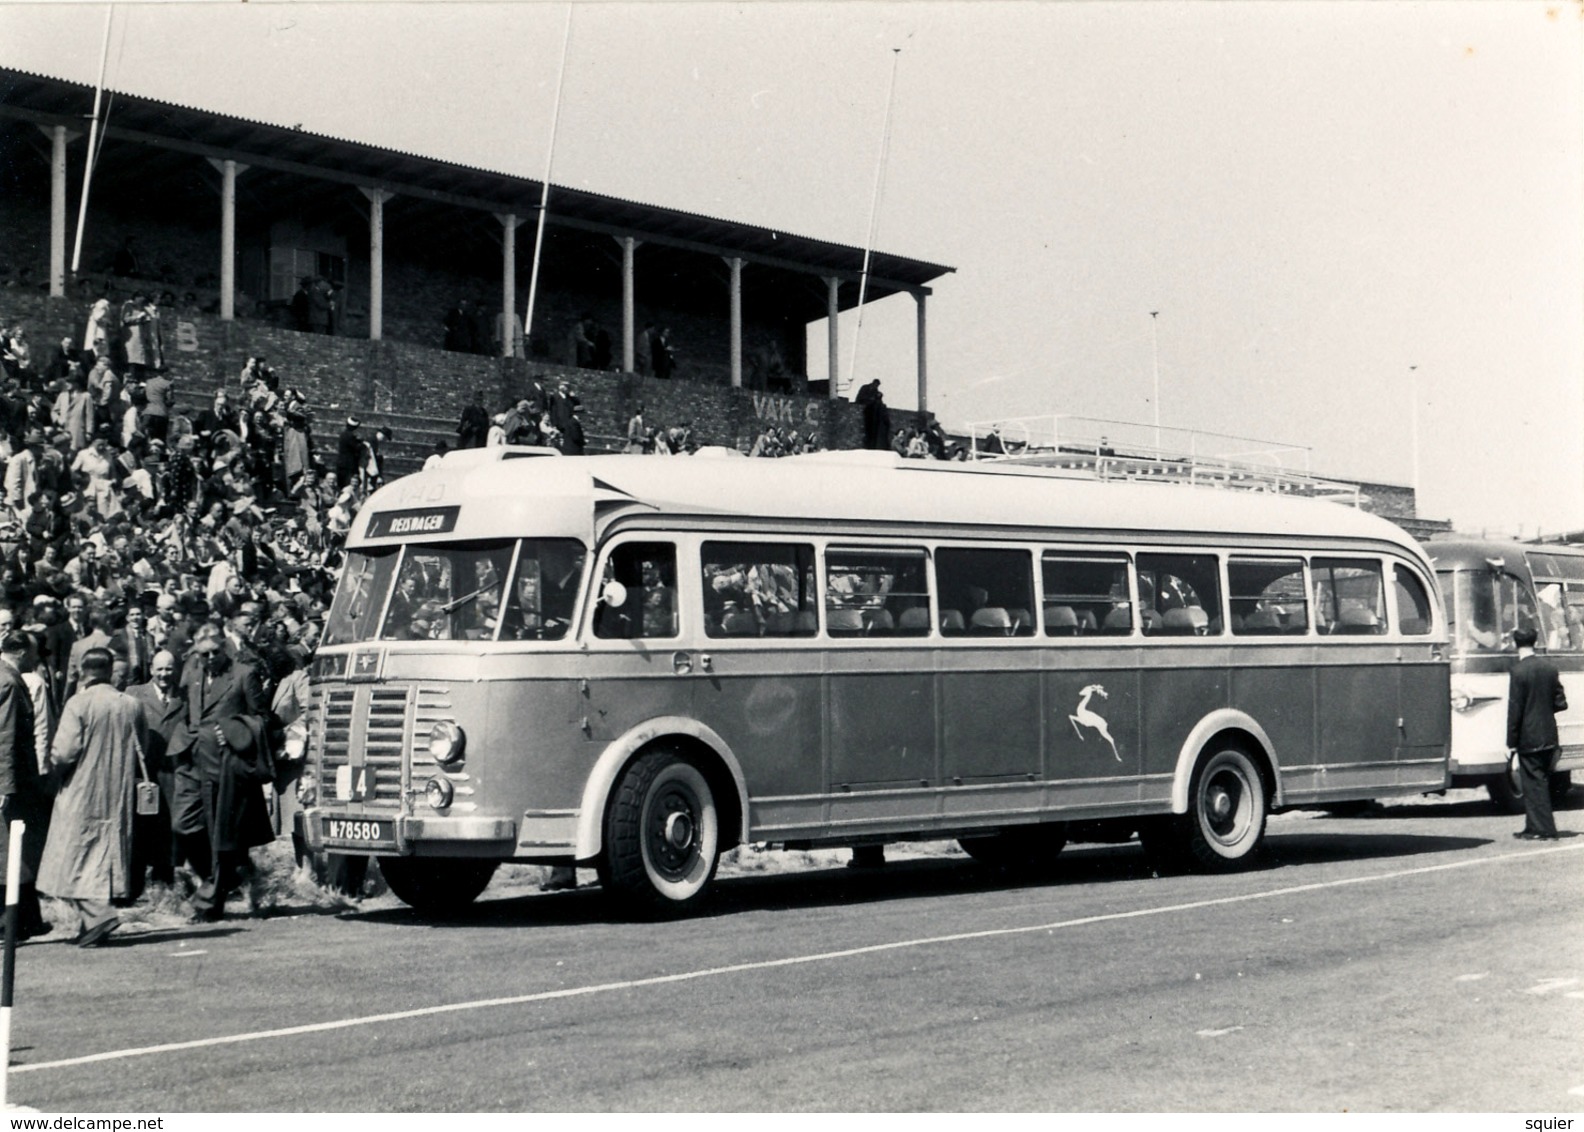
[1226, 806]
[678, 830]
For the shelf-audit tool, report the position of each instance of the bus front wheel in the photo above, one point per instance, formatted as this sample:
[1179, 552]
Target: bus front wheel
[662, 836]
[437, 886]
[1225, 823]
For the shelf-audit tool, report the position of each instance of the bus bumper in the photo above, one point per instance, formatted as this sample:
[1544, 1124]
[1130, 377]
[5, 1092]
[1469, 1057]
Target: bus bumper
[401, 835]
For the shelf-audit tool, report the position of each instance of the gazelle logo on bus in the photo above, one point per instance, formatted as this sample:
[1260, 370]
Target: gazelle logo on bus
[1084, 716]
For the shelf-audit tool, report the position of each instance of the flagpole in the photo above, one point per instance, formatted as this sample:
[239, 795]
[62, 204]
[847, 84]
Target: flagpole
[544, 190]
[93, 138]
[874, 210]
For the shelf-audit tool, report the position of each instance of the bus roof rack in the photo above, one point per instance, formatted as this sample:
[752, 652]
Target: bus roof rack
[1127, 451]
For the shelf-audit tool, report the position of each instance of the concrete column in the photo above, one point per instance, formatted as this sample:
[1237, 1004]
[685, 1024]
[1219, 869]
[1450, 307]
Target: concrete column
[376, 199]
[509, 225]
[229, 171]
[923, 369]
[736, 265]
[629, 245]
[59, 136]
[833, 333]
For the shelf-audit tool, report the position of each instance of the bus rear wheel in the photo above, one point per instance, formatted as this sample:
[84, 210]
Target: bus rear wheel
[662, 836]
[437, 886]
[1225, 823]
[1022, 848]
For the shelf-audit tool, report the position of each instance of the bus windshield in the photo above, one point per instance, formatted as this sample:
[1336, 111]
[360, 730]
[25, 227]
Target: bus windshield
[484, 591]
[1484, 609]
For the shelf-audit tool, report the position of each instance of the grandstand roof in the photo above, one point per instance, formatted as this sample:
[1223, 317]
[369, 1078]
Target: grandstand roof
[173, 134]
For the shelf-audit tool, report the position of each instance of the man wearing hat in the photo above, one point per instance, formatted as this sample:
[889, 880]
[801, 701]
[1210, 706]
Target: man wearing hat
[97, 749]
[224, 743]
[349, 453]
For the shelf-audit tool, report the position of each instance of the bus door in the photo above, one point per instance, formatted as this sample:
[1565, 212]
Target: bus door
[1273, 680]
[1092, 686]
[1357, 696]
[991, 725]
[880, 692]
[757, 673]
[1423, 693]
[1179, 597]
[638, 665]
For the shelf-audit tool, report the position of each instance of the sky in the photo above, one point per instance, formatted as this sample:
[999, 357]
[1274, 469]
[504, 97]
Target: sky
[1352, 218]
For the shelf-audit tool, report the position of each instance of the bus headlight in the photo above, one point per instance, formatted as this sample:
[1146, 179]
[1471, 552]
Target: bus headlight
[438, 792]
[446, 743]
[295, 746]
[307, 788]
[1462, 701]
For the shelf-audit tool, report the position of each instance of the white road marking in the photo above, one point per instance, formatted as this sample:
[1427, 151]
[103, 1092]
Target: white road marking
[1217, 1033]
[1576, 1091]
[1546, 986]
[188, 954]
[772, 964]
[1472, 978]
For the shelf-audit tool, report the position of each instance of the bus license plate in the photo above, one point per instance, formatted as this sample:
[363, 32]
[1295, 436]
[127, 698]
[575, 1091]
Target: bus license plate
[360, 832]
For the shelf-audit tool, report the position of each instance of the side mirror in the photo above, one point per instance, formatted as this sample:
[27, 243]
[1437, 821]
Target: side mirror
[614, 594]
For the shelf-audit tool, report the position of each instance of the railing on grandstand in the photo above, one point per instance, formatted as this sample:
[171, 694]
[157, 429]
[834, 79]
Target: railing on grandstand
[1093, 447]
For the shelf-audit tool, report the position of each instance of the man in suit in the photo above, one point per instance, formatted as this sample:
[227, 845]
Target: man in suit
[23, 791]
[219, 692]
[1534, 696]
[133, 646]
[98, 637]
[155, 845]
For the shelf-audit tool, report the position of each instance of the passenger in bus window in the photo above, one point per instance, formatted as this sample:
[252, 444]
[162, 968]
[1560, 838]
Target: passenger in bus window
[404, 600]
[424, 623]
[561, 570]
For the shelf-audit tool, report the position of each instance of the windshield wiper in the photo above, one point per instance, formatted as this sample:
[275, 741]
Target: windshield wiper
[453, 606]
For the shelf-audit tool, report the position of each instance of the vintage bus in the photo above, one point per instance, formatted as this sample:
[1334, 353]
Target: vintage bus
[1490, 588]
[637, 664]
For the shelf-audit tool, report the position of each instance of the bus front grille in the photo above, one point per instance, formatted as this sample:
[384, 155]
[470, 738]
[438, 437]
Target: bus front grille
[382, 728]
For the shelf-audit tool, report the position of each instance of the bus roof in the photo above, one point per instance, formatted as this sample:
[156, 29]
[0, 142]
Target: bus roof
[505, 491]
[1457, 551]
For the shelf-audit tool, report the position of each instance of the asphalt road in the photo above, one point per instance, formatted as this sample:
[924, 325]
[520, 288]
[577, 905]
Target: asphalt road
[1413, 959]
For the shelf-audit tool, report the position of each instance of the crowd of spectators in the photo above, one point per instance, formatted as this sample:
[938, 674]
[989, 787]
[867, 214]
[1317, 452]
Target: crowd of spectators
[134, 540]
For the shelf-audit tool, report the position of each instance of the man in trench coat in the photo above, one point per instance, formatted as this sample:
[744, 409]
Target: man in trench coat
[88, 857]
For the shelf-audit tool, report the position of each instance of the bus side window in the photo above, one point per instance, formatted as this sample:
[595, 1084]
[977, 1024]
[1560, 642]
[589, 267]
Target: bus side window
[1350, 597]
[993, 590]
[648, 571]
[758, 589]
[544, 592]
[1180, 594]
[1554, 633]
[1413, 603]
[1267, 596]
[878, 592]
[1085, 596]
